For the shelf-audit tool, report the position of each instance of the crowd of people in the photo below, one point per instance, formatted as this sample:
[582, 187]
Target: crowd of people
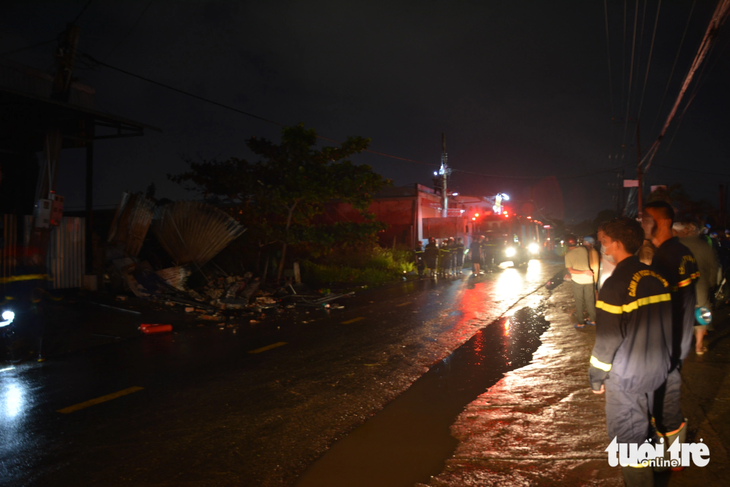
[446, 258]
[649, 292]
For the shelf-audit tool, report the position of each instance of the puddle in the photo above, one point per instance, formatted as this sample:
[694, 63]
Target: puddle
[409, 440]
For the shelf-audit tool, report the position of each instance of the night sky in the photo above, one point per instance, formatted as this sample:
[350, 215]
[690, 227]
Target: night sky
[522, 89]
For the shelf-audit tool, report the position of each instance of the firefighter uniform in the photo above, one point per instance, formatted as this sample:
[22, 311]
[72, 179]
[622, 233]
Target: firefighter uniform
[678, 266]
[631, 356]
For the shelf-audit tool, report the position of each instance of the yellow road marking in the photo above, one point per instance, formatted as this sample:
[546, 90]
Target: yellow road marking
[353, 320]
[267, 347]
[98, 400]
[403, 304]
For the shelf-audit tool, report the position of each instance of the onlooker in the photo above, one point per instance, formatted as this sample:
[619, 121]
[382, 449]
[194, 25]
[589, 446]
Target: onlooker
[475, 253]
[677, 265]
[577, 263]
[607, 264]
[689, 236]
[630, 359]
[593, 258]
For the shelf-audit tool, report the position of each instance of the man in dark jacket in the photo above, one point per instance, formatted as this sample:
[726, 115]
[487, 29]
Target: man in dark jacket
[631, 357]
[430, 256]
[678, 266]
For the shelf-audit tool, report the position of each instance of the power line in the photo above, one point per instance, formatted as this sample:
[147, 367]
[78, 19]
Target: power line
[82, 12]
[631, 71]
[608, 49]
[535, 178]
[692, 170]
[648, 63]
[7, 53]
[130, 31]
[228, 107]
[676, 58]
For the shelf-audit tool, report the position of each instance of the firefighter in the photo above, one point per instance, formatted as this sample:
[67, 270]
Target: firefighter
[418, 257]
[430, 256]
[458, 257]
[631, 358]
[678, 266]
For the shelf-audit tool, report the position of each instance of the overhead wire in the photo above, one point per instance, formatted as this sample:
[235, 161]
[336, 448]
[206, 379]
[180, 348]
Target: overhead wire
[702, 77]
[608, 50]
[82, 11]
[134, 26]
[674, 65]
[648, 64]
[15, 51]
[631, 72]
[383, 154]
[718, 19]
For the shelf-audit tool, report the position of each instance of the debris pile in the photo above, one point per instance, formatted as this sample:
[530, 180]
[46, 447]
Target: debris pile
[193, 233]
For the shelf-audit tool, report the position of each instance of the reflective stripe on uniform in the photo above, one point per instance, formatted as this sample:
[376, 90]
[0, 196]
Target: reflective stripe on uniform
[685, 283]
[27, 277]
[600, 365]
[634, 305]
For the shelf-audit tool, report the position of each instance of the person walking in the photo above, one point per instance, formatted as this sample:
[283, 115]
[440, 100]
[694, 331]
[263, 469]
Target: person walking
[630, 359]
[677, 265]
[577, 263]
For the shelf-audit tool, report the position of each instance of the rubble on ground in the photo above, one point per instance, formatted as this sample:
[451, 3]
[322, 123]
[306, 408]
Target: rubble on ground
[193, 234]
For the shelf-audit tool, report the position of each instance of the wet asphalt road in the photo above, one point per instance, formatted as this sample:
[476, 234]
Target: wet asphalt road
[256, 407]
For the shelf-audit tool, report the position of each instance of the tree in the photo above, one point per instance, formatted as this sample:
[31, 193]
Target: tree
[290, 185]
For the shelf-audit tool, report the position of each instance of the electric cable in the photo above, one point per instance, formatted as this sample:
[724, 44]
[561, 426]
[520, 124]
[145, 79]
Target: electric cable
[631, 72]
[718, 19]
[648, 64]
[536, 178]
[676, 58]
[692, 170]
[608, 50]
[228, 107]
[14, 51]
[134, 26]
[82, 12]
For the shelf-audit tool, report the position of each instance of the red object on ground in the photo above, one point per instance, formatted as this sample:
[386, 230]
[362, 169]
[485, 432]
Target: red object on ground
[155, 328]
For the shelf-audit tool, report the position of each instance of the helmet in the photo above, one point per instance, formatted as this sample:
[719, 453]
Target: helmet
[589, 240]
[571, 240]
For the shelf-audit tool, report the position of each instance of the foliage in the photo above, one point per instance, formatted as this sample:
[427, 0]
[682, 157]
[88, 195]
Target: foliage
[373, 267]
[684, 206]
[279, 197]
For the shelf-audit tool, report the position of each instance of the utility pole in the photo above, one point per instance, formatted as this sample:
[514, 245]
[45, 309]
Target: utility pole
[639, 175]
[444, 172]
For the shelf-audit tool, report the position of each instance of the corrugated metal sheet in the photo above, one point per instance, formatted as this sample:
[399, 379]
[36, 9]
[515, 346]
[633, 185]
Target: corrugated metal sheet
[175, 276]
[194, 233]
[9, 245]
[66, 250]
[131, 222]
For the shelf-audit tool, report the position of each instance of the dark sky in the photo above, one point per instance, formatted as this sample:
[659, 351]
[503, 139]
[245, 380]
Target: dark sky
[521, 88]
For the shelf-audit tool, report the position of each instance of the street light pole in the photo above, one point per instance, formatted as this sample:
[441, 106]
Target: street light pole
[444, 172]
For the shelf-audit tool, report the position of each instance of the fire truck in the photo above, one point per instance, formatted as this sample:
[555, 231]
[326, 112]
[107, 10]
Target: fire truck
[510, 237]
